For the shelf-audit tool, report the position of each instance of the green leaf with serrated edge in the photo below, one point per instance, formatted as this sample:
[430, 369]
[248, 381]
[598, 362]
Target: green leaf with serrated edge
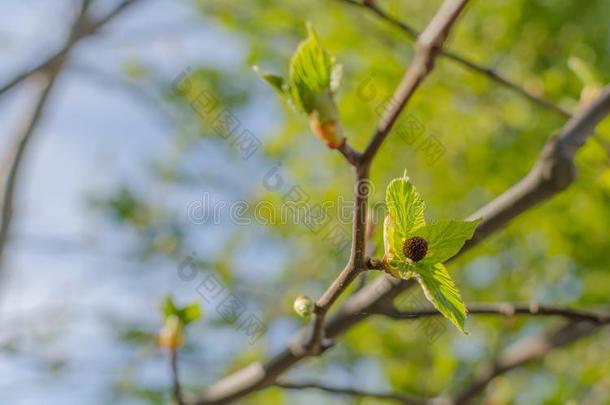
[276, 81]
[405, 270]
[311, 72]
[445, 239]
[440, 290]
[406, 209]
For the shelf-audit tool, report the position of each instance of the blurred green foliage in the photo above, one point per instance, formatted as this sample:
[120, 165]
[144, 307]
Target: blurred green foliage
[556, 253]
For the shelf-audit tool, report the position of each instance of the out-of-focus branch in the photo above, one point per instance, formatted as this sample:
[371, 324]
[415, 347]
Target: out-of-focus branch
[413, 33]
[552, 173]
[43, 76]
[43, 81]
[14, 158]
[490, 73]
[176, 388]
[507, 310]
[354, 392]
[82, 29]
[362, 304]
[428, 45]
[353, 268]
[525, 351]
[350, 154]
[134, 89]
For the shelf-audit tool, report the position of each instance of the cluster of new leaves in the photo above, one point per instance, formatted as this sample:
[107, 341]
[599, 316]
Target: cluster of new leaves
[313, 77]
[404, 223]
[176, 319]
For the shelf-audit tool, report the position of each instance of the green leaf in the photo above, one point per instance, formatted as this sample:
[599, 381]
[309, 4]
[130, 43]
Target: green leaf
[169, 308]
[405, 270]
[440, 290]
[312, 71]
[190, 313]
[406, 209]
[186, 315]
[276, 81]
[445, 239]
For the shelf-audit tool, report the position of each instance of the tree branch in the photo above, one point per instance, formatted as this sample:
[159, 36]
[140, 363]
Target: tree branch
[350, 154]
[258, 376]
[525, 351]
[507, 310]
[553, 172]
[413, 33]
[44, 76]
[401, 399]
[354, 267]
[428, 44]
[83, 29]
[176, 388]
[13, 161]
[360, 305]
[490, 73]
[44, 80]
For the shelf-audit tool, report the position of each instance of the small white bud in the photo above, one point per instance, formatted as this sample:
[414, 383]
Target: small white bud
[303, 306]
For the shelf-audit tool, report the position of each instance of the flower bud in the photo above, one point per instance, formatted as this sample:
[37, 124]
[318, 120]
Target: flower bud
[324, 119]
[303, 306]
[415, 248]
[172, 333]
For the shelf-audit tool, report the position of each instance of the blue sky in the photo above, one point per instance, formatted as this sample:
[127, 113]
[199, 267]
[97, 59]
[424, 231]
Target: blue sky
[65, 267]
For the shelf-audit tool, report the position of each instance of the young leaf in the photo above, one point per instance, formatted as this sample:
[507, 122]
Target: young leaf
[276, 81]
[445, 239]
[169, 308]
[310, 72]
[404, 270]
[190, 313]
[405, 206]
[440, 290]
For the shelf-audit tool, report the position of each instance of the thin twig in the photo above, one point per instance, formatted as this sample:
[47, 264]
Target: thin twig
[44, 80]
[356, 264]
[490, 73]
[44, 74]
[525, 351]
[362, 304]
[84, 29]
[401, 399]
[554, 171]
[350, 154]
[507, 310]
[413, 33]
[428, 44]
[316, 339]
[371, 247]
[176, 388]
[14, 158]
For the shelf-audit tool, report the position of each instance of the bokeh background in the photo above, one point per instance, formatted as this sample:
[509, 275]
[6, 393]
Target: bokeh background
[104, 210]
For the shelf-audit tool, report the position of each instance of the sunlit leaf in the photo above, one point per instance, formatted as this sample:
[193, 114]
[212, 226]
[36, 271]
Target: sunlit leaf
[440, 290]
[445, 239]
